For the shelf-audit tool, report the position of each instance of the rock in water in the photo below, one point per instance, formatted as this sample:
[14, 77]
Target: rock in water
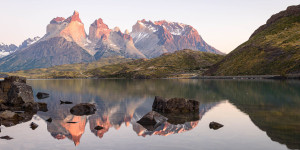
[175, 105]
[33, 125]
[98, 128]
[65, 102]
[6, 137]
[41, 95]
[215, 125]
[152, 120]
[83, 109]
[49, 120]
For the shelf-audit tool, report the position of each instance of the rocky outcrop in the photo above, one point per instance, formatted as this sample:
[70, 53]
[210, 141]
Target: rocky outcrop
[72, 29]
[175, 105]
[16, 101]
[83, 109]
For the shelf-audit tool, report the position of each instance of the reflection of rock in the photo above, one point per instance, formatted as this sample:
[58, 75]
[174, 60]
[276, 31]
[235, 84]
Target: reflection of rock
[152, 120]
[215, 125]
[176, 123]
[83, 109]
[175, 105]
[41, 95]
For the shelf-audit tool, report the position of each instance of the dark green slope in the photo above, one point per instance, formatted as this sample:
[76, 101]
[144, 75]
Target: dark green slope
[274, 48]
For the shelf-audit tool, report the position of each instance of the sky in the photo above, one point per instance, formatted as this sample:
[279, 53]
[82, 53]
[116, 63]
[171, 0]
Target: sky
[224, 24]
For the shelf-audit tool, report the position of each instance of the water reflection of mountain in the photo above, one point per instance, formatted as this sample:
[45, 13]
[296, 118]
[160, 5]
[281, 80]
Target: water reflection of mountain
[272, 106]
[114, 107]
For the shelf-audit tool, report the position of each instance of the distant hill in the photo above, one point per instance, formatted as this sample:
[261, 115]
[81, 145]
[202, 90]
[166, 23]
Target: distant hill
[184, 63]
[69, 70]
[274, 48]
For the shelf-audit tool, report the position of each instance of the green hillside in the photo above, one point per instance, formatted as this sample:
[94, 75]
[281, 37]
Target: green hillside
[184, 63]
[69, 70]
[273, 49]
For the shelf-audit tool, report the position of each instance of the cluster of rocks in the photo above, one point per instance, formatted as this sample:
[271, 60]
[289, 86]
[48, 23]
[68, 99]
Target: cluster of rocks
[174, 111]
[17, 102]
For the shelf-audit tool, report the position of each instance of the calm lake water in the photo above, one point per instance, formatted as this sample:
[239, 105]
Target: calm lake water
[257, 115]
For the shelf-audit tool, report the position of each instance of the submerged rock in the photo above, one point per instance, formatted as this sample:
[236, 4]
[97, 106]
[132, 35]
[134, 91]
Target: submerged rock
[33, 125]
[215, 125]
[41, 95]
[175, 105]
[83, 109]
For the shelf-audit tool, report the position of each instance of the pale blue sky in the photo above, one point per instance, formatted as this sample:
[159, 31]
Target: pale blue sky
[224, 24]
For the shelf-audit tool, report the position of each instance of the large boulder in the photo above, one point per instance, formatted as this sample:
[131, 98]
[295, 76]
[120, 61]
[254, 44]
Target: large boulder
[83, 109]
[19, 93]
[175, 105]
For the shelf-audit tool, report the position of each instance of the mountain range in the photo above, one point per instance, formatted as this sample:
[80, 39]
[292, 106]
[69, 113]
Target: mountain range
[66, 42]
[9, 49]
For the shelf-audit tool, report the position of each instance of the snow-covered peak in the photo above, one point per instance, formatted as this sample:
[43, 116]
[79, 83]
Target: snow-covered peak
[174, 28]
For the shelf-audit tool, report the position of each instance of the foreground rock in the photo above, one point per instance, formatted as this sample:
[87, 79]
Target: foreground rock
[17, 102]
[175, 105]
[15, 91]
[41, 95]
[83, 109]
[215, 125]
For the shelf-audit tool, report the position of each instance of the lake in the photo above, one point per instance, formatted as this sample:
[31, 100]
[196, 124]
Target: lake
[256, 114]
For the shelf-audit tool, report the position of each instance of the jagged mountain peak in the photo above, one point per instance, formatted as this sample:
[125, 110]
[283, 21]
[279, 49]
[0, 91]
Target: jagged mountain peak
[98, 30]
[74, 17]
